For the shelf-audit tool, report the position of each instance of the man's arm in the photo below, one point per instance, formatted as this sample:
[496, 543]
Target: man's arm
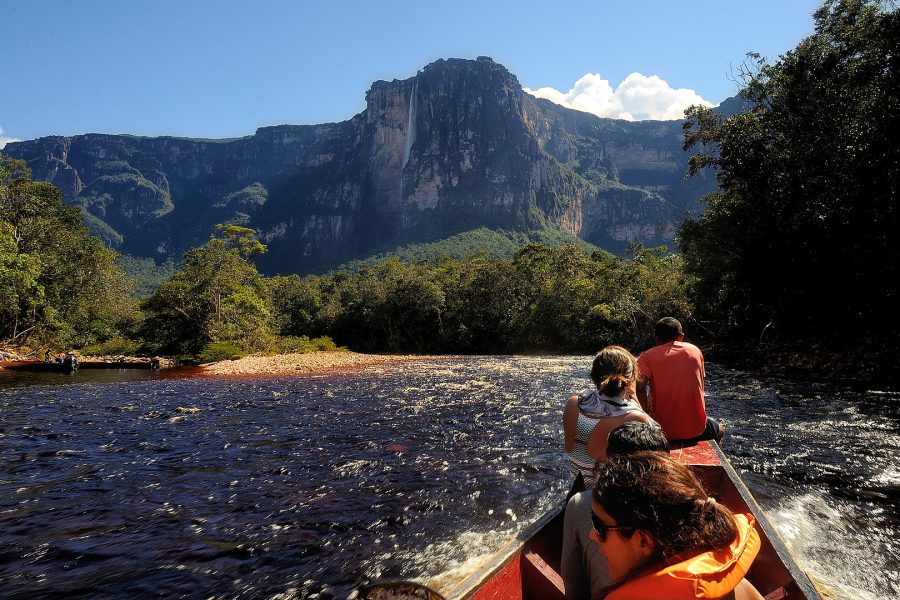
[644, 376]
[643, 396]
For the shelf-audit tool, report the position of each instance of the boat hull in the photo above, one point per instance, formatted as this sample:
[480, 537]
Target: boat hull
[528, 566]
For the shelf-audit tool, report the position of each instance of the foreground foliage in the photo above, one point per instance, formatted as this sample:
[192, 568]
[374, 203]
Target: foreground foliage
[800, 236]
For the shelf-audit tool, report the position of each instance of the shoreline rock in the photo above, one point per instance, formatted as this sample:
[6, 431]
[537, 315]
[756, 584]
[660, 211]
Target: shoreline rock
[24, 354]
[9, 353]
[164, 363]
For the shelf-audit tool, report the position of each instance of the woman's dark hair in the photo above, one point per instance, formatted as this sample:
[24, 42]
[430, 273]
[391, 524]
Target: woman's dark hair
[654, 492]
[636, 436]
[613, 369]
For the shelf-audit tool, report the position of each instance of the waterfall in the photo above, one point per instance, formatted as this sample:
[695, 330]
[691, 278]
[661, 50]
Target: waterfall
[410, 126]
[410, 133]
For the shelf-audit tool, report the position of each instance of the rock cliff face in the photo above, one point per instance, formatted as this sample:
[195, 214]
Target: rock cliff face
[456, 147]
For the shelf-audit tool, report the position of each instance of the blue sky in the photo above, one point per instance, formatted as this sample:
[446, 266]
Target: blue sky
[205, 68]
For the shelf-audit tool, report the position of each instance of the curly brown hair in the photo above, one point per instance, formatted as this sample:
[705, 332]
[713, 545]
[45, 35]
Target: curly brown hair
[654, 492]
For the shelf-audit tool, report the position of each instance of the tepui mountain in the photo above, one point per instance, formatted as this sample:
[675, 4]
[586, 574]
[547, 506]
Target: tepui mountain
[458, 146]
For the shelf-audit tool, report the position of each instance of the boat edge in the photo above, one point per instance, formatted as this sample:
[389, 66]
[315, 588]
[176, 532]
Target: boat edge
[499, 559]
[801, 579]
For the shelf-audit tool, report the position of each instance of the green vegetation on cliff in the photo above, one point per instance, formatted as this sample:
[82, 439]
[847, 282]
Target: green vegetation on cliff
[472, 150]
[146, 274]
[494, 242]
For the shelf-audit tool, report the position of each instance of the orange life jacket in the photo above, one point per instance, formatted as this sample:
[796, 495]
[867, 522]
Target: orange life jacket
[712, 574]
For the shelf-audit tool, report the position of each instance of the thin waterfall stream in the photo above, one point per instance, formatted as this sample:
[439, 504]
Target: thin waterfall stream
[410, 133]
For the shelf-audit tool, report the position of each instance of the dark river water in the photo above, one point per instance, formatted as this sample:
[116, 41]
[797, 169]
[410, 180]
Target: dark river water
[128, 484]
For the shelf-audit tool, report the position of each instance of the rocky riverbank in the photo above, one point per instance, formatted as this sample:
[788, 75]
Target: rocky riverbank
[12, 354]
[23, 354]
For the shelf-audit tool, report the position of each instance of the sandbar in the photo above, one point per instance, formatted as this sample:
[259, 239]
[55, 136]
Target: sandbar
[305, 363]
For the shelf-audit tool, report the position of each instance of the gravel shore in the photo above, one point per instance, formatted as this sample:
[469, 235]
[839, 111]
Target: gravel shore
[294, 364]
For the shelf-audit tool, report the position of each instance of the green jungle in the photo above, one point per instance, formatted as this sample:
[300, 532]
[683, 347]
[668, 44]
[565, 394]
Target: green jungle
[794, 263]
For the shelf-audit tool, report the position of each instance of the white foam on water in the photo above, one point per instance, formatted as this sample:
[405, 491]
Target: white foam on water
[473, 385]
[829, 546]
[461, 556]
[889, 477]
[354, 468]
[438, 373]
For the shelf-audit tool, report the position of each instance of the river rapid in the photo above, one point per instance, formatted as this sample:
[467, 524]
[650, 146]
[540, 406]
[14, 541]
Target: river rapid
[127, 484]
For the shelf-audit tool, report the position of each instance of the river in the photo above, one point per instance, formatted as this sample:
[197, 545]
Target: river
[125, 484]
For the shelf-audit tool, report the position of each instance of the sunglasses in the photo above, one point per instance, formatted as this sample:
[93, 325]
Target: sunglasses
[602, 528]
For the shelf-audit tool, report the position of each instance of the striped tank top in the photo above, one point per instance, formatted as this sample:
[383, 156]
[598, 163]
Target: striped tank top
[592, 407]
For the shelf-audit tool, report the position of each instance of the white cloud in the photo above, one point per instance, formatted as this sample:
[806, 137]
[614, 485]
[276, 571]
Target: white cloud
[636, 98]
[5, 140]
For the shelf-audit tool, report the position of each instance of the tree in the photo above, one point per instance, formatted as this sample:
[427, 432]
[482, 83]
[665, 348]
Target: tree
[801, 231]
[241, 239]
[59, 286]
[482, 302]
[218, 296]
[543, 299]
[296, 304]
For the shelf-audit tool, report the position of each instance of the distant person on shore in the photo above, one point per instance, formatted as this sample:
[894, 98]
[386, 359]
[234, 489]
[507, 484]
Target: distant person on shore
[662, 537]
[674, 370]
[583, 568]
[602, 409]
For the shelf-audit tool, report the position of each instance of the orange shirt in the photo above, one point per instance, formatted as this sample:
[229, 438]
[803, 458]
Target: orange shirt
[675, 371]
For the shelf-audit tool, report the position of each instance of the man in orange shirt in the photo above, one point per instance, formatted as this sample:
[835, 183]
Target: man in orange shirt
[674, 369]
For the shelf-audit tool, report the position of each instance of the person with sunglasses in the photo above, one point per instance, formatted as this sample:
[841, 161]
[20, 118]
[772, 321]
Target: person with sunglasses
[662, 537]
[582, 566]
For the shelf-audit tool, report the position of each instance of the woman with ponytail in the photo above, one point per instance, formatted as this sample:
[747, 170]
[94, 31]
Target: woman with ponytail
[662, 537]
[592, 414]
[588, 419]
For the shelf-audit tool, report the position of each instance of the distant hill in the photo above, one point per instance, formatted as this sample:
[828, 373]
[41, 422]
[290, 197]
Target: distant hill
[498, 243]
[734, 105]
[434, 161]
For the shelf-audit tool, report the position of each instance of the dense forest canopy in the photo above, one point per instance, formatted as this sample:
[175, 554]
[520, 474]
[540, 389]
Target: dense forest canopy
[801, 234]
[544, 298]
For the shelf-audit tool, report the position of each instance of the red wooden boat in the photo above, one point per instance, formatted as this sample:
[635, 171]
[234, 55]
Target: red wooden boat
[528, 566]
